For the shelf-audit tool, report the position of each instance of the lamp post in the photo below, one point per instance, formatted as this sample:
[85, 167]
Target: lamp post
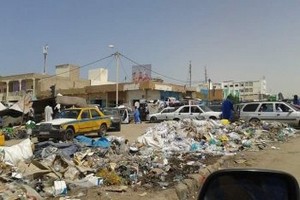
[45, 53]
[117, 57]
[209, 91]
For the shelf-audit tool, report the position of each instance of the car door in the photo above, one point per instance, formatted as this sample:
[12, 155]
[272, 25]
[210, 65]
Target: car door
[166, 114]
[286, 114]
[266, 112]
[249, 111]
[85, 124]
[195, 112]
[184, 112]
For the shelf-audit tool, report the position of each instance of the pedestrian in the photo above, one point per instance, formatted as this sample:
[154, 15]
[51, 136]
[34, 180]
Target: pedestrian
[48, 113]
[227, 109]
[31, 114]
[136, 115]
[296, 100]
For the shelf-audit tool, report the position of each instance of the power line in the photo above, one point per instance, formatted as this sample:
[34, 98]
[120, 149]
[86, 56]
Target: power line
[91, 63]
[153, 70]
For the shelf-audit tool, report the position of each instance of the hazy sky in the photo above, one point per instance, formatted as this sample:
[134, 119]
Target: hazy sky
[235, 39]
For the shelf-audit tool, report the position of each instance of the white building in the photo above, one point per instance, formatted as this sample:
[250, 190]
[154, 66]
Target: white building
[98, 76]
[246, 90]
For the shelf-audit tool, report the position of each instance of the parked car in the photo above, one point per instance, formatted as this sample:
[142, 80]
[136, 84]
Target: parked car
[126, 114]
[194, 112]
[164, 114]
[71, 122]
[271, 111]
[115, 117]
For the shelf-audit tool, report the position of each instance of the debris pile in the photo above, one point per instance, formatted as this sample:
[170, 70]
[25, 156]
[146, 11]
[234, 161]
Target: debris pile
[160, 158]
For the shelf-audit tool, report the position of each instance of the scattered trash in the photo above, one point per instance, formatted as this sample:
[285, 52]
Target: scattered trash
[164, 155]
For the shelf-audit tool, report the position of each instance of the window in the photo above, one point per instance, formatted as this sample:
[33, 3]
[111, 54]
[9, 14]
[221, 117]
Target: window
[95, 114]
[168, 110]
[266, 107]
[195, 109]
[250, 107]
[85, 114]
[280, 107]
[184, 110]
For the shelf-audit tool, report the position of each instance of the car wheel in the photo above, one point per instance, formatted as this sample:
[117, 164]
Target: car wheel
[254, 120]
[153, 119]
[213, 118]
[102, 130]
[176, 119]
[41, 139]
[69, 134]
[118, 127]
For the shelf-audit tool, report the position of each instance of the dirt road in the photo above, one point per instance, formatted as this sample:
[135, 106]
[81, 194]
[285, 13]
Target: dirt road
[282, 156]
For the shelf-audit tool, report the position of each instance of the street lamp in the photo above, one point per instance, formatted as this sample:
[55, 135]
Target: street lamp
[209, 91]
[45, 53]
[117, 57]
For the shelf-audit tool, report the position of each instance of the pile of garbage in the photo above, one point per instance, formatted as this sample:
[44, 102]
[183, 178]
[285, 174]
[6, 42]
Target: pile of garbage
[18, 132]
[160, 158]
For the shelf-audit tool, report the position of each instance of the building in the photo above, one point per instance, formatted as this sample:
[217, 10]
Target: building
[13, 87]
[246, 90]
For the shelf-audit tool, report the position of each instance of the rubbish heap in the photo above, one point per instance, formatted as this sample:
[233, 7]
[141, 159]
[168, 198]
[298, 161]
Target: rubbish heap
[164, 155]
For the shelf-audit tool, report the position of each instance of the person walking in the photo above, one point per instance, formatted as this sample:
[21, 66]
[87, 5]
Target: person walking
[296, 100]
[48, 113]
[227, 109]
[136, 115]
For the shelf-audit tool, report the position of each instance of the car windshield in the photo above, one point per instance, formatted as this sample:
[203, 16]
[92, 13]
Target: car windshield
[113, 112]
[69, 114]
[206, 109]
[296, 107]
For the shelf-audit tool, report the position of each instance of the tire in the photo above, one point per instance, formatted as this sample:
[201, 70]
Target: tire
[153, 119]
[102, 130]
[213, 118]
[254, 120]
[118, 128]
[69, 135]
[176, 119]
[41, 139]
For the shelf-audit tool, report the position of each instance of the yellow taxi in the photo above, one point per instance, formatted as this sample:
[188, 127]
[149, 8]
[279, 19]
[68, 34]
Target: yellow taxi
[72, 122]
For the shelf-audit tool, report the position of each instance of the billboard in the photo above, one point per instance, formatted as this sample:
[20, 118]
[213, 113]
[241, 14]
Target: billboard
[141, 73]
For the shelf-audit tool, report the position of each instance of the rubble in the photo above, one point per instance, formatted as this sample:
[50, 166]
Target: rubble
[160, 158]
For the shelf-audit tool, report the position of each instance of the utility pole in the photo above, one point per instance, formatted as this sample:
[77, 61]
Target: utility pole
[45, 53]
[205, 74]
[190, 74]
[117, 56]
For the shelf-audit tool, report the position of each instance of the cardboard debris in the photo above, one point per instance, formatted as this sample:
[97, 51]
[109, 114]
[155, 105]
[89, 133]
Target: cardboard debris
[161, 157]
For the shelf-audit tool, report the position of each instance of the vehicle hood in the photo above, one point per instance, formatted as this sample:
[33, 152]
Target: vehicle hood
[58, 121]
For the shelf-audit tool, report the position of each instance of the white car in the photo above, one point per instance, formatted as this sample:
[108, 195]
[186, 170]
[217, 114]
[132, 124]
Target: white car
[164, 114]
[195, 112]
[271, 111]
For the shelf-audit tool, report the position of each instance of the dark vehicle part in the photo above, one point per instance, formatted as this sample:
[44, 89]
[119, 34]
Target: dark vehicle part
[249, 184]
[102, 130]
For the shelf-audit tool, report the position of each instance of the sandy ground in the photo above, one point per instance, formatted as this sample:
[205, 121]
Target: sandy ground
[281, 156]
